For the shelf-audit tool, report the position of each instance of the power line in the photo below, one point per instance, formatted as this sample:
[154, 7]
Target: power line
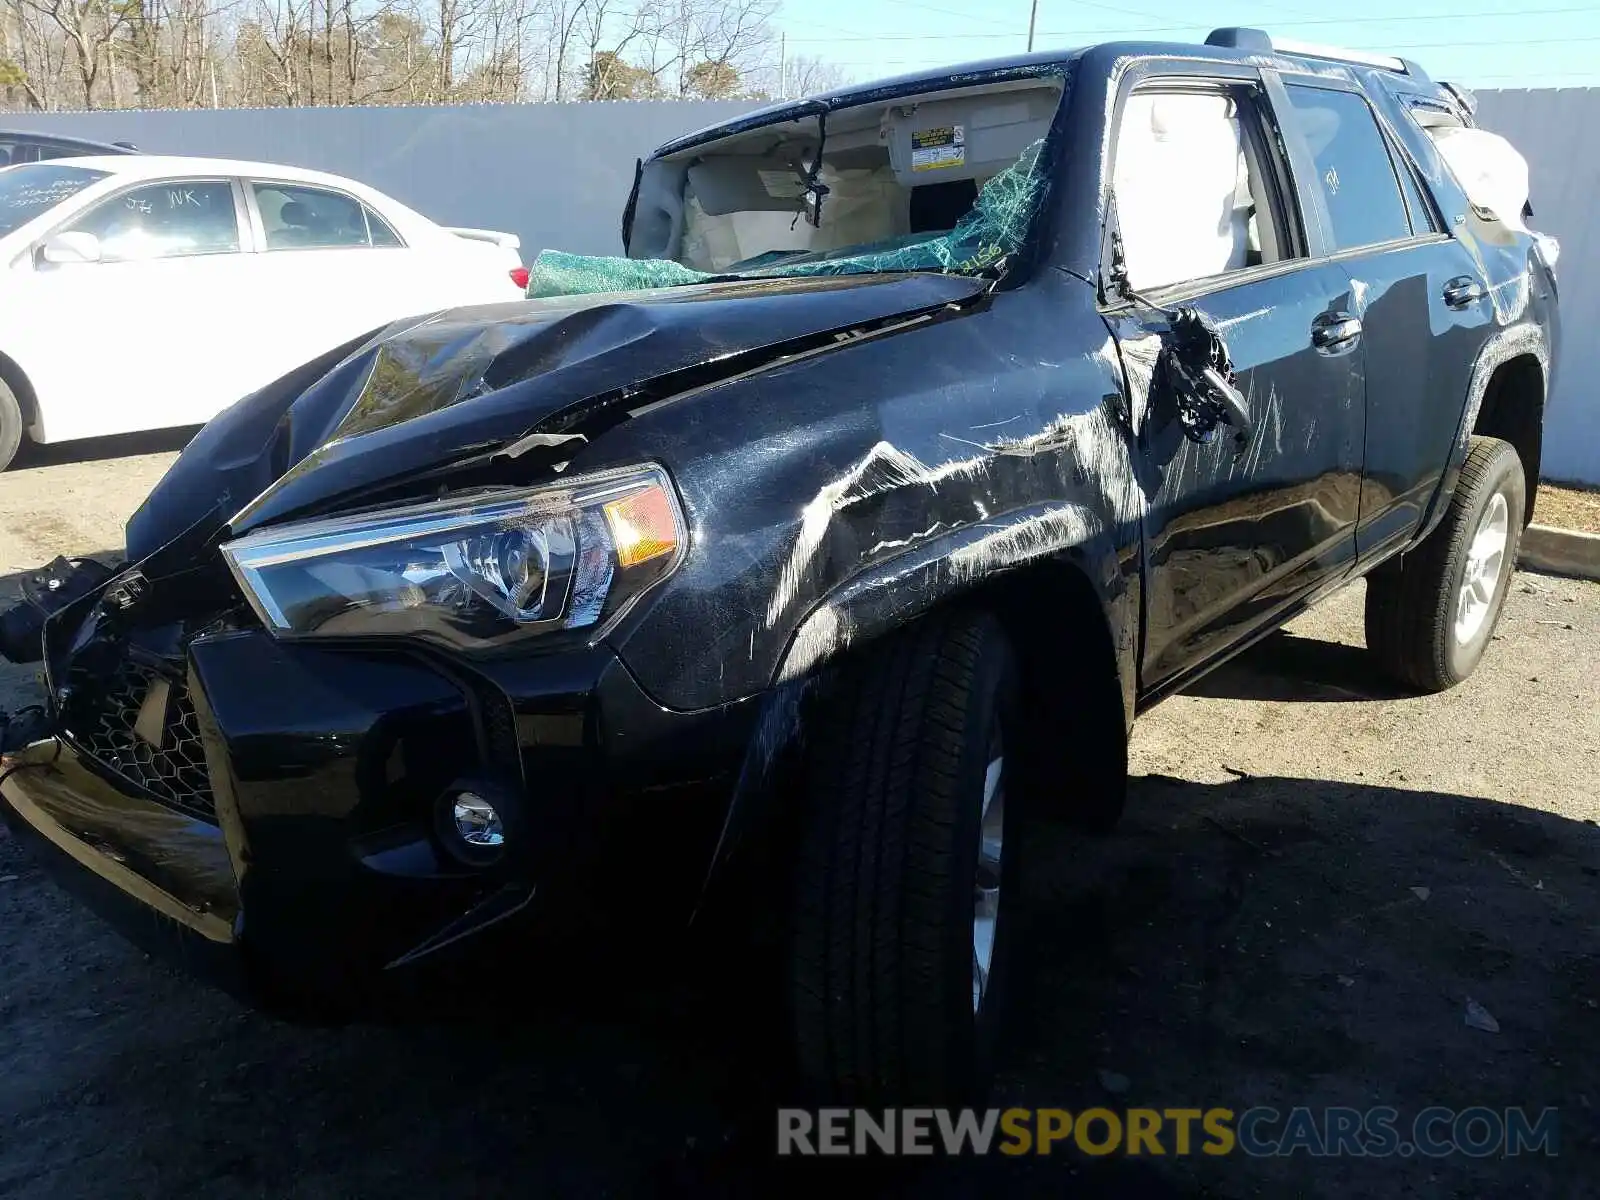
[949, 12]
[931, 37]
[926, 60]
[1117, 8]
[1595, 75]
[1467, 45]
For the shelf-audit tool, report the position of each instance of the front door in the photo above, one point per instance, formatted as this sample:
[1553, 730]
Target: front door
[148, 336]
[1236, 530]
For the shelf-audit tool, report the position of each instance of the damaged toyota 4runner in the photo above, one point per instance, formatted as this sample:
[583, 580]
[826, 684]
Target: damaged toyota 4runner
[926, 432]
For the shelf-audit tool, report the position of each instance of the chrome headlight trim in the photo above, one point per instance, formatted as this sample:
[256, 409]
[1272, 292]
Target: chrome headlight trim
[470, 571]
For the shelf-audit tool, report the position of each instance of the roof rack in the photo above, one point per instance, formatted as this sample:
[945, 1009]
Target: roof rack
[1244, 38]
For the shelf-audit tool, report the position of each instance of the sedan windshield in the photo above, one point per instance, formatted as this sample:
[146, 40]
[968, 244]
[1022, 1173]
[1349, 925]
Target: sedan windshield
[30, 190]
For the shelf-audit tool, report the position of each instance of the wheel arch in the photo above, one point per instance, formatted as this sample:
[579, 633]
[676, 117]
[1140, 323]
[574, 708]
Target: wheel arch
[1042, 571]
[1039, 567]
[1513, 411]
[22, 388]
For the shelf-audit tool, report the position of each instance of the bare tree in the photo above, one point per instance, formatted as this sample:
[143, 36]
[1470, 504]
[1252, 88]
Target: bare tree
[682, 34]
[188, 53]
[806, 75]
[609, 76]
[89, 28]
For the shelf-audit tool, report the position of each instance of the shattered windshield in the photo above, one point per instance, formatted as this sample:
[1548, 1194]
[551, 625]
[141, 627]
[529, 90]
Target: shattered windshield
[949, 182]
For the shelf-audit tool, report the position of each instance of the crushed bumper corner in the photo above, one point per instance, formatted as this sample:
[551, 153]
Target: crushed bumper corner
[127, 860]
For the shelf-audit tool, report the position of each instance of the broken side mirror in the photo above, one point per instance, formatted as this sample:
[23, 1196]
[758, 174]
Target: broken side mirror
[61, 249]
[1220, 400]
[1199, 376]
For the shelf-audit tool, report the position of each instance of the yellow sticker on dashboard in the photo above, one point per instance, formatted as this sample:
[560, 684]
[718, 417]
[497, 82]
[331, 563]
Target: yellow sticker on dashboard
[936, 149]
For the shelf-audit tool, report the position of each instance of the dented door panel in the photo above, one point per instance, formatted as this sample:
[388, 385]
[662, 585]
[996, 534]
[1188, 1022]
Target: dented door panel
[1234, 535]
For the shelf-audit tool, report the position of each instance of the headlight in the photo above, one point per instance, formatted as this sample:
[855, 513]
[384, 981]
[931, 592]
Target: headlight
[471, 572]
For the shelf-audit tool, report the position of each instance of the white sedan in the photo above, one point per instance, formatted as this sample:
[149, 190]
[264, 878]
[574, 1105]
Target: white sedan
[145, 292]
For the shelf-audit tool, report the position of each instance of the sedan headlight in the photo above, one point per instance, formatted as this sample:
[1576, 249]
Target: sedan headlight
[471, 572]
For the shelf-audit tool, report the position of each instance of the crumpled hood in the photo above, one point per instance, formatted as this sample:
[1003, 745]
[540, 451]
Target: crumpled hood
[430, 392]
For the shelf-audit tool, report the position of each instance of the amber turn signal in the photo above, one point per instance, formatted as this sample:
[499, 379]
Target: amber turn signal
[643, 526]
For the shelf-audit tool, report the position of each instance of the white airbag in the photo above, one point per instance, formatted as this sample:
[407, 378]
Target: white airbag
[1181, 206]
[1490, 169]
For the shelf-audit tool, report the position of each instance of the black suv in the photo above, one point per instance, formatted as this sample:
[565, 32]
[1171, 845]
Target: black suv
[949, 422]
[24, 146]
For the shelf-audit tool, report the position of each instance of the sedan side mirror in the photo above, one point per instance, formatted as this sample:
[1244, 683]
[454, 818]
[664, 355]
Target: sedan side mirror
[63, 248]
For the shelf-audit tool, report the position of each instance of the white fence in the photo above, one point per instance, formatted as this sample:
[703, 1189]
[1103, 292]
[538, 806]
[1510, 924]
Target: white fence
[1558, 129]
[557, 175]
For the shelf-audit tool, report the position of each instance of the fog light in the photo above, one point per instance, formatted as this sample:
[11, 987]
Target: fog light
[480, 823]
[477, 822]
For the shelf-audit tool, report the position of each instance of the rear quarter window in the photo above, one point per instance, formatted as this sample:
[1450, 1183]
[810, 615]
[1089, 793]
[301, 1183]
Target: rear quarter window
[1355, 172]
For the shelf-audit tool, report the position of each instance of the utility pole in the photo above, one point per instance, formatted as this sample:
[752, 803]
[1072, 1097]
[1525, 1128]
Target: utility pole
[1033, 16]
[783, 64]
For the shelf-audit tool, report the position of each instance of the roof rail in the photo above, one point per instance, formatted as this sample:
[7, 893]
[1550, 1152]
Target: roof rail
[1243, 38]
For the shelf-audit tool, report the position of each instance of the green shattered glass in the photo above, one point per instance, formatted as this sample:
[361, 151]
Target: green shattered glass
[996, 226]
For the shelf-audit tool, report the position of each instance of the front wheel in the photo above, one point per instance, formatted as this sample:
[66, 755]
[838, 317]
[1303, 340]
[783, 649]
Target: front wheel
[10, 425]
[1430, 615]
[900, 941]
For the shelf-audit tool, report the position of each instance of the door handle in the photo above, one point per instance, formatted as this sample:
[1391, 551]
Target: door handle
[1462, 291]
[1334, 333]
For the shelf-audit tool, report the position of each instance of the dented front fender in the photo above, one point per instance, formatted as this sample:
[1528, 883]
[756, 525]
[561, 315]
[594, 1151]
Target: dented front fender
[831, 498]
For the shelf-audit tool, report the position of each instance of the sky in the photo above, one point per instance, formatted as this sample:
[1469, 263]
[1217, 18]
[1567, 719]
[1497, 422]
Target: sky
[1478, 43]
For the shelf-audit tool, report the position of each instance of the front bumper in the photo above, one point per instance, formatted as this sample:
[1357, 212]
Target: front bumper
[300, 865]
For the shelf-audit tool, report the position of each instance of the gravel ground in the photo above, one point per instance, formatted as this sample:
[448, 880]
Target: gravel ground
[1314, 878]
[1569, 508]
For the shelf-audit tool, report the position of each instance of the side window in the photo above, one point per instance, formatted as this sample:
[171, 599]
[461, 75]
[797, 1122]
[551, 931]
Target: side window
[1224, 216]
[382, 234]
[165, 220]
[1421, 213]
[1353, 167]
[300, 218]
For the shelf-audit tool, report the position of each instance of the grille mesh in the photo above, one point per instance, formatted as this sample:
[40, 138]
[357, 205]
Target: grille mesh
[174, 773]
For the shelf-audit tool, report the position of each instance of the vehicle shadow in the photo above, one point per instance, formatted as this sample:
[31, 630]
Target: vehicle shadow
[122, 445]
[1284, 666]
[1269, 941]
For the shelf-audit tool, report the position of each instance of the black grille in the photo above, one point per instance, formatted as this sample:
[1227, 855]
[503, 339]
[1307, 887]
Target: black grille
[101, 719]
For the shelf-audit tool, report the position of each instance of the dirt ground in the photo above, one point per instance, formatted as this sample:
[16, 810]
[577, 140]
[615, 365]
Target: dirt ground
[1569, 508]
[1314, 878]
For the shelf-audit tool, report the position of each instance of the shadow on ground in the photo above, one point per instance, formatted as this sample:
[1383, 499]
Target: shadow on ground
[1285, 666]
[122, 445]
[1254, 943]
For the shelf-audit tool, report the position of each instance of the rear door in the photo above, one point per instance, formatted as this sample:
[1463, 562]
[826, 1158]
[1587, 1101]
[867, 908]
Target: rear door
[1234, 534]
[331, 267]
[1422, 299]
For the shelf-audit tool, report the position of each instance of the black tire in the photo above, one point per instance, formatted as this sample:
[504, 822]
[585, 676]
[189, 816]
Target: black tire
[1412, 602]
[11, 423]
[881, 956]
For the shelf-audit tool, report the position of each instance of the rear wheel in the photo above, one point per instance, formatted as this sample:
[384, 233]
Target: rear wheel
[900, 941]
[1431, 614]
[10, 425]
